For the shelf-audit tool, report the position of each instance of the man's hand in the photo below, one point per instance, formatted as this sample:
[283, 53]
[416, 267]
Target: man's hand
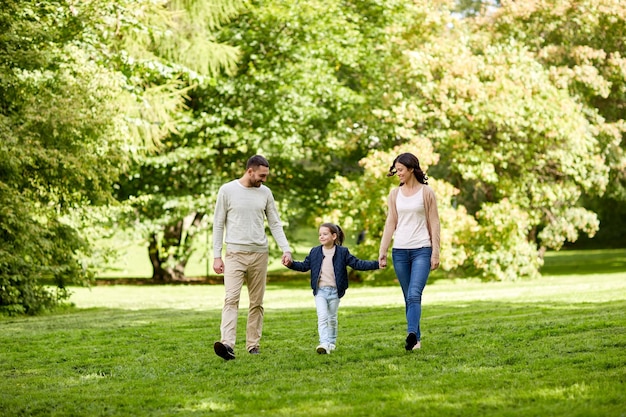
[218, 265]
[287, 261]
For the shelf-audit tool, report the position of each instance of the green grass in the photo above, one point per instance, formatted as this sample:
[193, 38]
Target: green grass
[568, 262]
[551, 347]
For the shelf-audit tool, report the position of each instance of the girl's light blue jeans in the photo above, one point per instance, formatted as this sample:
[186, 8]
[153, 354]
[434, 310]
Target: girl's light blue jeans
[327, 304]
[412, 268]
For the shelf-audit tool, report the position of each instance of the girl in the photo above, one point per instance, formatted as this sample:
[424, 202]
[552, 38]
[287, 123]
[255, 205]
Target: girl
[329, 280]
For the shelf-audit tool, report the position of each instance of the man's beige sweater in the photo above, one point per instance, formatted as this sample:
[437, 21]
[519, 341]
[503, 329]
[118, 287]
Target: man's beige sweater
[239, 219]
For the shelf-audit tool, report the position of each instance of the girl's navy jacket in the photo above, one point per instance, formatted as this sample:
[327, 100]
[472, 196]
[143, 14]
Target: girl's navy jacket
[341, 260]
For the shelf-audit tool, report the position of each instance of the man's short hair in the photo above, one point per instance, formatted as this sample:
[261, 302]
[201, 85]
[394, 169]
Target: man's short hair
[257, 161]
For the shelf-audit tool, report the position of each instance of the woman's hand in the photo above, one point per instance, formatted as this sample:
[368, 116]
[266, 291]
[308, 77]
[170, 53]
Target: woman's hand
[382, 261]
[434, 264]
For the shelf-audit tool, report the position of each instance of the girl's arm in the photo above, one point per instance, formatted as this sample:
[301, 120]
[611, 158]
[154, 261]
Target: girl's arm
[303, 266]
[360, 264]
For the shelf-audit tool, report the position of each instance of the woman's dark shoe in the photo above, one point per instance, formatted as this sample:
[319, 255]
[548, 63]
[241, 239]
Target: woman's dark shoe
[411, 341]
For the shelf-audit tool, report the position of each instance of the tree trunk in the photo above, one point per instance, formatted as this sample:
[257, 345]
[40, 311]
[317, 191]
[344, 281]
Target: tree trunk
[168, 265]
[162, 271]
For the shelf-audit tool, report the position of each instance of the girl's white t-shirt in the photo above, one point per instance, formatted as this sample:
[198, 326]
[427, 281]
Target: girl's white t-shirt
[411, 232]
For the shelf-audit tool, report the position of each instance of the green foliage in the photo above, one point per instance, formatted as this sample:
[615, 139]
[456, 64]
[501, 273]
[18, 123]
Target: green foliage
[299, 96]
[491, 121]
[81, 92]
[307, 79]
[500, 249]
[33, 252]
[161, 49]
[59, 148]
[322, 85]
[581, 43]
[515, 110]
[163, 56]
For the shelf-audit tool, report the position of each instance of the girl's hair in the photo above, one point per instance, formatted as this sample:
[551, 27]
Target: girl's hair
[410, 161]
[335, 229]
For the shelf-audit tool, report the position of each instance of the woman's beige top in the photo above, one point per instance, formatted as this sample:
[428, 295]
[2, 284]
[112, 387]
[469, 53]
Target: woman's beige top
[432, 220]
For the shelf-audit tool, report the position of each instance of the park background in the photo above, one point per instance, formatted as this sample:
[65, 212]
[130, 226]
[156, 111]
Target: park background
[119, 120]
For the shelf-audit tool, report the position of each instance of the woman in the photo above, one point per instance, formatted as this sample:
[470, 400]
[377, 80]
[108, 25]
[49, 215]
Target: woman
[413, 222]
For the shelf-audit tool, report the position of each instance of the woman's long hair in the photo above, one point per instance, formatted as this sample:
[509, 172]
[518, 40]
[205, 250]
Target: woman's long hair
[337, 230]
[410, 161]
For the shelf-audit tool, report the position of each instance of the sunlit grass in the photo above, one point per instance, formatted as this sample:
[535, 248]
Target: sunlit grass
[569, 262]
[297, 294]
[550, 347]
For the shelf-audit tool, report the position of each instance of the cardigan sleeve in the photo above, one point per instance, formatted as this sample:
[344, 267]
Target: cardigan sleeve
[390, 224]
[432, 221]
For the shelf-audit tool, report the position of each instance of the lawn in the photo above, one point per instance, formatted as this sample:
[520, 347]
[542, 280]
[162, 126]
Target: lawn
[551, 347]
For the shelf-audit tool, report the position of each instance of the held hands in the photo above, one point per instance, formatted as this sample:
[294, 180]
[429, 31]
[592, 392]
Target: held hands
[382, 261]
[287, 261]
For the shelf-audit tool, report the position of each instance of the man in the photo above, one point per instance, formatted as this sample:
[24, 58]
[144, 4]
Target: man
[241, 209]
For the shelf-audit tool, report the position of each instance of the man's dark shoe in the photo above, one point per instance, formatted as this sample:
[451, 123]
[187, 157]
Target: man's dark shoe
[254, 351]
[224, 351]
[411, 341]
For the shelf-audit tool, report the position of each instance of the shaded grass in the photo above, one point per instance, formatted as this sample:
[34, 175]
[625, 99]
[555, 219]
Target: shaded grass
[487, 350]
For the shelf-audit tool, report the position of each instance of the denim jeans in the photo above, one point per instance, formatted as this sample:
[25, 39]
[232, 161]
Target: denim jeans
[412, 267]
[327, 304]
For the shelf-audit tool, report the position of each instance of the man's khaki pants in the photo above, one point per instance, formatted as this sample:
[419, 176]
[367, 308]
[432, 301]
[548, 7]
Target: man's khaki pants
[251, 268]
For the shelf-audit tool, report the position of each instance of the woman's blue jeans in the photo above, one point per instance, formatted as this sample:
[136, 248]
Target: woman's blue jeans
[412, 267]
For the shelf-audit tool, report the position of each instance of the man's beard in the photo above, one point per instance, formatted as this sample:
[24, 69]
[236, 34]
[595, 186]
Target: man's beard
[255, 184]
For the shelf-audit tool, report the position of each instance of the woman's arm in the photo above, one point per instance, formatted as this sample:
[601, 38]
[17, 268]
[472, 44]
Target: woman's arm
[390, 227]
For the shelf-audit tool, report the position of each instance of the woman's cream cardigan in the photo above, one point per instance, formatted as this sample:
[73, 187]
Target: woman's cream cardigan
[432, 221]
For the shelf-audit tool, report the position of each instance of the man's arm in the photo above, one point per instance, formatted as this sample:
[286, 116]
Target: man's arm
[219, 220]
[276, 227]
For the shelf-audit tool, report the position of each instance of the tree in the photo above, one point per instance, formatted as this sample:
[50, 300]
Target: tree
[321, 85]
[300, 95]
[166, 184]
[581, 43]
[515, 150]
[59, 148]
[80, 98]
